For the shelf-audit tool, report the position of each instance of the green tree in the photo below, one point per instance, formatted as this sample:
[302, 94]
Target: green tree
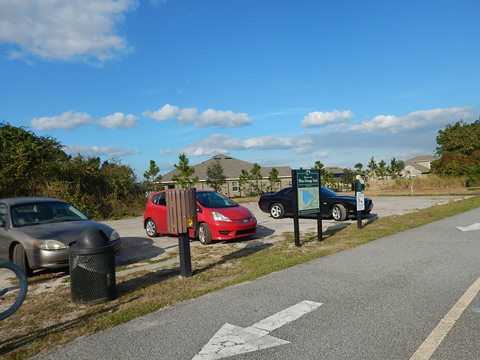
[460, 138]
[348, 176]
[381, 170]
[243, 182]
[27, 161]
[256, 176]
[358, 168]
[395, 168]
[183, 177]
[273, 179]
[372, 167]
[215, 178]
[326, 177]
[459, 151]
[152, 177]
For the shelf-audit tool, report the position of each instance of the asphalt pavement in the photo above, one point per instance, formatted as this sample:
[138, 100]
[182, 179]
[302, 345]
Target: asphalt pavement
[381, 300]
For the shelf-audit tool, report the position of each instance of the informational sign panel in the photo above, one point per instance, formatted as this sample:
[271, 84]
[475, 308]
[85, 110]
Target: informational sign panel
[360, 201]
[308, 183]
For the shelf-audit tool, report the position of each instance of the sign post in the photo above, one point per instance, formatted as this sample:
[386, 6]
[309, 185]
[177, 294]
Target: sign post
[306, 199]
[359, 187]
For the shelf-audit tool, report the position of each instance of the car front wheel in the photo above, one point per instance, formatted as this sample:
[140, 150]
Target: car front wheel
[20, 259]
[204, 234]
[151, 228]
[276, 211]
[339, 213]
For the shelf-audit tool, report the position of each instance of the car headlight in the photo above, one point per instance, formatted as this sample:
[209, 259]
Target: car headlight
[114, 235]
[220, 217]
[50, 245]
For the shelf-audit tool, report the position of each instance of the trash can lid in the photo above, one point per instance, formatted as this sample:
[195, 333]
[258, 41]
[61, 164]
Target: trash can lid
[91, 239]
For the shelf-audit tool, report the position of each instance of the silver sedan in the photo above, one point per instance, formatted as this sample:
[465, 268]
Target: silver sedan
[35, 232]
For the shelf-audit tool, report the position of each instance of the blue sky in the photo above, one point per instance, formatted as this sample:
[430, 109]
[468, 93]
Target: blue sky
[277, 82]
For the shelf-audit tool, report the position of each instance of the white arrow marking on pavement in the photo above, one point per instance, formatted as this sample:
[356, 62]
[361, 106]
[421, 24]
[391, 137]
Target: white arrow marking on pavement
[472, 227]
[233, 340]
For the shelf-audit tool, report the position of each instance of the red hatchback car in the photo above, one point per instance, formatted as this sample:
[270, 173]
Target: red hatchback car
[219, 218]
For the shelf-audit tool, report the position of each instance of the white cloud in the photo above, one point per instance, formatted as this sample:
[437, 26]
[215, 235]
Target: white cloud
[68, 120]
[166, 151]
[222, 119]
[414, 120]
[118, 120]
[213, 118]
[94, 150]
[222, 144]
[318, 118]
[166, 112]
[191, 116]
[65, 30]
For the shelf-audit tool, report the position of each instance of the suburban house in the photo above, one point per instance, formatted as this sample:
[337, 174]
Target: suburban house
[231, 170]
[418, 166]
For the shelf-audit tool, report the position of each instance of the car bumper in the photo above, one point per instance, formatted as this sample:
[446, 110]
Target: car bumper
[367, 210]
[263, 207]
[57, 259]
[232, 230]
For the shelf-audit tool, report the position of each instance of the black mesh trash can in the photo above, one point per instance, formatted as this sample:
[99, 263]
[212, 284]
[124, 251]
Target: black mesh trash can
[92, 268]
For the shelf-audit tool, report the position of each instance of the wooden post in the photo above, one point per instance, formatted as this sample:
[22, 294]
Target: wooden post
[182, 215]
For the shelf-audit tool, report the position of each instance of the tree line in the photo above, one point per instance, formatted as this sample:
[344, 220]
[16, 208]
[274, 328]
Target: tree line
[32, 165]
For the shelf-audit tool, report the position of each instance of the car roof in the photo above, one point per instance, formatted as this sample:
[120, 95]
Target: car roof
[27, 200]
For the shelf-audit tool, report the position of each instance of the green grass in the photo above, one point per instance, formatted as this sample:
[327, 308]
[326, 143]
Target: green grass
[49, 320]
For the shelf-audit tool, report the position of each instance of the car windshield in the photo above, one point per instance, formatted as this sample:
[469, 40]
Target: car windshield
[328, 192]
[214, 200]
[44, 212]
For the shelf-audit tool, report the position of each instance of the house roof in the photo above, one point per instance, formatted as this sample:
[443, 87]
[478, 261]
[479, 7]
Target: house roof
[231, 168]
[420, 168]
[421, 158]
[414, 162]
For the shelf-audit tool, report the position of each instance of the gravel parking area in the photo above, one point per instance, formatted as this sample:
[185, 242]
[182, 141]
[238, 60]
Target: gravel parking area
[137, 245]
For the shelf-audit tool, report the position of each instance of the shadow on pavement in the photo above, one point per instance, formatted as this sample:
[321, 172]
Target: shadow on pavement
[263, 232]
[136, 249]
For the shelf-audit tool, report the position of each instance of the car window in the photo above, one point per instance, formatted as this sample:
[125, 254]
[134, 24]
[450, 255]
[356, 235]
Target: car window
[214, 200]
[44, 212]
[162, 199]
[3, 212]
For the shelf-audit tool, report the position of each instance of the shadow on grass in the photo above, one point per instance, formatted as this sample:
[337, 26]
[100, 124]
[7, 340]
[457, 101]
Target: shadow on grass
[369, 220]
[16, 342]
[154, 277]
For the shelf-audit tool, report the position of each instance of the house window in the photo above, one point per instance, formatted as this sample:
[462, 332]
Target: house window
[234, 186]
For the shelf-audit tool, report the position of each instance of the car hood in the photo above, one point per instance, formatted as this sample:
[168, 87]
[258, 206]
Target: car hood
[234, 213]
[65, 232]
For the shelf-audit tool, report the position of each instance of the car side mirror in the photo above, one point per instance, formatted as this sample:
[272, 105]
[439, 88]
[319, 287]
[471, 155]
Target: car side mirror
[199, 209]
[89, 215]
[3, 223]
